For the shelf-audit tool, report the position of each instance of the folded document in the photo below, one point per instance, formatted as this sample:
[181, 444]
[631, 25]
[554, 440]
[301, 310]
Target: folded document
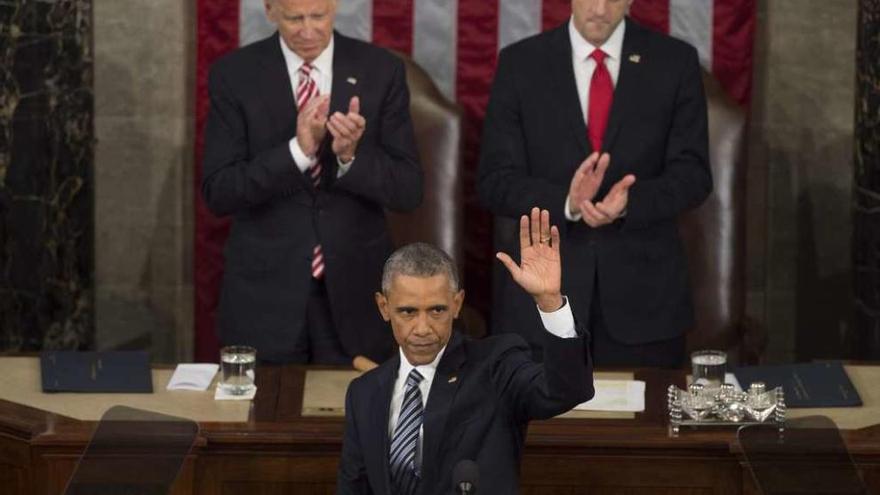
[616, 395]
[192, 376]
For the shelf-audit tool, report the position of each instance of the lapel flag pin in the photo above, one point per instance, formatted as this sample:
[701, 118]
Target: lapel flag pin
[352, 80]
[453, 379]
[635, 58]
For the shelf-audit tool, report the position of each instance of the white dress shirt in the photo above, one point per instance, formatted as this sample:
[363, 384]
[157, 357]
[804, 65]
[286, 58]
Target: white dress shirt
[559, 323]
[322, 73]
[584, 66]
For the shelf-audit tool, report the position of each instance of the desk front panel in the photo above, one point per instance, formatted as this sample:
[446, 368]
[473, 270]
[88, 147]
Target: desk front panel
[278, 451]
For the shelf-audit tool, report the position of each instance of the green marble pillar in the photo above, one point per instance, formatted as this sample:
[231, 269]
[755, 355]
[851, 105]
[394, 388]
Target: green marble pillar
[46, 157]
[866, 193]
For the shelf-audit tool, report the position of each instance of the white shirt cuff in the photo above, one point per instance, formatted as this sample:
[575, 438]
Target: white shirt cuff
[343, 166]
[560, 322]
[571, 217]
[303, 161]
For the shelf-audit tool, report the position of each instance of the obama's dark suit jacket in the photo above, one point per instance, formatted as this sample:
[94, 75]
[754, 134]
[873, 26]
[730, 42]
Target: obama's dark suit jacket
[483, 395]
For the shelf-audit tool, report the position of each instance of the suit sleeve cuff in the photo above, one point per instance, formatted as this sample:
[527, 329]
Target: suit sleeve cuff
[303, 161]
[571, 217]
[560, 322]
[343, 167]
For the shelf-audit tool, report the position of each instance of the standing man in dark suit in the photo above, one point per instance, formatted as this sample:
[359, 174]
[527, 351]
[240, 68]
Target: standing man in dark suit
[603, 123]
[445, 398]
[309, 139]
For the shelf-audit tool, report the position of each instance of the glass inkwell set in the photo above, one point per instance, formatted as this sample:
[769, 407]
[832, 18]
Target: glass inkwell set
[709, 402]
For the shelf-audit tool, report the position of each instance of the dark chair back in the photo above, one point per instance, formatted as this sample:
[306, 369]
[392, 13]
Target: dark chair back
[714, 237]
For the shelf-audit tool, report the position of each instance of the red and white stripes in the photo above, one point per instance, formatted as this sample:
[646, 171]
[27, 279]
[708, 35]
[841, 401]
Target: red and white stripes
[431, 30]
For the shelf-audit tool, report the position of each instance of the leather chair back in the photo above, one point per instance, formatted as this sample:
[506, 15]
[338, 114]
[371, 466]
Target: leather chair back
[714, 233]
[439, 220]
[438, 128]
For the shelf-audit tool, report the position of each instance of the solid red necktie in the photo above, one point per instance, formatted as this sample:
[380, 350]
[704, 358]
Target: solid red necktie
[601, 95]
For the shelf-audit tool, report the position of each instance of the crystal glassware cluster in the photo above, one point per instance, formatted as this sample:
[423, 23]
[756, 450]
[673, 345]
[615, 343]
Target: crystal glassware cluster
[701, 405]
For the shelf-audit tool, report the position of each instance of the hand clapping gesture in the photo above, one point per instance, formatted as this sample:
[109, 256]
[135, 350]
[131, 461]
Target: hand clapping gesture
[347, 130]
[584, 185]
[311, 124]
[612, 206]
[586, 180]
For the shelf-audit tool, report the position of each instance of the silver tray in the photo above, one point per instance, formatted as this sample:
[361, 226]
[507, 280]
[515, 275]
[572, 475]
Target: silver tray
[705, 407]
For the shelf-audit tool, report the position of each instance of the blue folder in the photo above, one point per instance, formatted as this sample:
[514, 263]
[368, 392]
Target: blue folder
[805, 384]
[96, 372]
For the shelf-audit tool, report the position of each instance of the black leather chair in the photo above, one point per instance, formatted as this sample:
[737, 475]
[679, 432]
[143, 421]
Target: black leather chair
[440, 219]
[714, 237]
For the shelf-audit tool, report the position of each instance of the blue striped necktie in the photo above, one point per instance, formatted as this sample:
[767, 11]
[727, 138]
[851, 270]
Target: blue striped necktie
[404, 443]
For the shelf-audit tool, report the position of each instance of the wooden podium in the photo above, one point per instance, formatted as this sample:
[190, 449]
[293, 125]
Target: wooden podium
[276, 450]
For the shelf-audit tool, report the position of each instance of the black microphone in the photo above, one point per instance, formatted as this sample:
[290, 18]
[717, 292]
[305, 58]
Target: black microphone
[465, 477]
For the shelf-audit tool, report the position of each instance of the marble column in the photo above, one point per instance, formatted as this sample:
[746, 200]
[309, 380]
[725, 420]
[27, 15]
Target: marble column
[46, 154]
[800, 177]
[866, 188]
[144, 81]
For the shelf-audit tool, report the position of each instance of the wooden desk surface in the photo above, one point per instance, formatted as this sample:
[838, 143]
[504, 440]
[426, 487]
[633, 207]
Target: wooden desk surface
[277, 450]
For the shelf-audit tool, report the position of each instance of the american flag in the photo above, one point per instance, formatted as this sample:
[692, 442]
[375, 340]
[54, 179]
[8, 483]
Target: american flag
[456, 41]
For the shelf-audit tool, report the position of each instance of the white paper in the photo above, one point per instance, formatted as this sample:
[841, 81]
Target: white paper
[616, 395]
[221, 394]
[193, 376]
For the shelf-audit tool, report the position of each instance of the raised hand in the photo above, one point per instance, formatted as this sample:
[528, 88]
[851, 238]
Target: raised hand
[347, 130]
[586, 180]
[540, 270]
[311, 124]
[612, 205]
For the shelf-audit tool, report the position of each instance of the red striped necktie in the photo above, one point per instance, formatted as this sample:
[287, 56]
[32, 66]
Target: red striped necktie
[307, 89]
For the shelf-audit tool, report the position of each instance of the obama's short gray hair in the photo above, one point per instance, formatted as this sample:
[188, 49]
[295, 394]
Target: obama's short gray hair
[419, 260]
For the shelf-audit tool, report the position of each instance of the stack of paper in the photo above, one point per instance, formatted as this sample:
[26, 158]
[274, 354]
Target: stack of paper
[616, 395]
[192, 377]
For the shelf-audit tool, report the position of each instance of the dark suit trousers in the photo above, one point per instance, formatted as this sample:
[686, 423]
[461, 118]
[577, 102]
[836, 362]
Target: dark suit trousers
[609, 352]
[319, 342]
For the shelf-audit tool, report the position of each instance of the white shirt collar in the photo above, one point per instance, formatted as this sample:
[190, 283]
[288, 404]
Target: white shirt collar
[581, 48]
[427, 370]
[324, 61]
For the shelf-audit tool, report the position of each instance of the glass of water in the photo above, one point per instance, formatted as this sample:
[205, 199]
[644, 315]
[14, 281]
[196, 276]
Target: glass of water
[237, 365]
[708, 367]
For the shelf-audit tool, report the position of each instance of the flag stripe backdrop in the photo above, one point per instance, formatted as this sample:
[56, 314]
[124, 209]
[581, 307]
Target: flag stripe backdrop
[456, 41]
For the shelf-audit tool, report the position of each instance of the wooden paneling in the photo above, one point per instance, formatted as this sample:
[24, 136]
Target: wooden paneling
[279, 452]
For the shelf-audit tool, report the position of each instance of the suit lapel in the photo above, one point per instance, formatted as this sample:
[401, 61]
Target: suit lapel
[380, 409]
[565, 86]
[440, 400]
[277, 88]
[628, 83]
[346, 81]
[346, 75]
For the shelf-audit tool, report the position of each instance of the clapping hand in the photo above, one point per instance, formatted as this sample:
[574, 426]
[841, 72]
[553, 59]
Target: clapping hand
[612, 206]
[311, 124]
[586, 180]
[540, 270]
[347, 130]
